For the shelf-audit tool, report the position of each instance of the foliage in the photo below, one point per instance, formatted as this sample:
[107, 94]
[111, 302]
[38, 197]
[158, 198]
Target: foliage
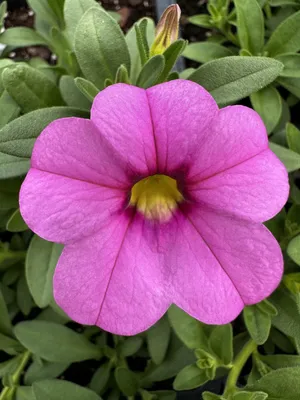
[253, 51]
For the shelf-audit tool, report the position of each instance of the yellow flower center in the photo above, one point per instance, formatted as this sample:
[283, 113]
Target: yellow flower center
[156, 197]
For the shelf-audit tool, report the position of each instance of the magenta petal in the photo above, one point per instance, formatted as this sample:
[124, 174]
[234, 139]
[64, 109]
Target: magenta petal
[73, 147]
[122, 115]
[256, 189]
[114, 279]
[234, 136]
[231, 262]
[181, 113]
[63, 209]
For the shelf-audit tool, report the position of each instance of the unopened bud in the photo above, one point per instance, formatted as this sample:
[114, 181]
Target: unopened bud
[167, 30]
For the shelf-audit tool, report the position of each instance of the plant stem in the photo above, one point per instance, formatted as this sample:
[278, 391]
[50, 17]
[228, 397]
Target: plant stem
[238, 365]
[8, 391]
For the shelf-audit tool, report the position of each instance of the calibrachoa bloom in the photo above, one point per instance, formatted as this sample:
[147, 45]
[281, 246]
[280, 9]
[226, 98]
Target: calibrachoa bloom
[159, 199]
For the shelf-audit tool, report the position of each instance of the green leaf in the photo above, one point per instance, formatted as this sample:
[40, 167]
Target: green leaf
[24, 299]
[3, 10]
[267, 102]
[290, 159]
[277, 361]
[189, 330]
[211, 396]
[293, 137]
[130, 346]
[21, 36]
[171, 55]
[7, 367]
[258, 323]
[62, 390]
[151, 72]
[30, 88]
[280, 3]
[9, 193]
[24, 393]
[203, 20]
[206, 51]
[221, 343]
[100, 378]
[9, 109]
[249, 396]
[87, 88]
[55, 342]
[17, 138]
[16, 222]
[41, 260]
[291, 62]
[43, 11]
[293, 249]
[5, 323]
[291, 84]
[100, 60]
[73, 12]
[158, 338]
[267, 307]
[287, 320]
[279, 384]
[127, 381]
[9, 345]
[250, 25]
[286, 38]
[232, 78]
[11, 166]
[122, 75]
[72, 96]
[131, 40]
[37, 372]
[189, 378]
[177, 358]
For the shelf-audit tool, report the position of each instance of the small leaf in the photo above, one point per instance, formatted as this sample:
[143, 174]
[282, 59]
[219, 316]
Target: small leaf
[258, 323]
[290, 159]
[62, 390]
[202, 20]
[206, 51]
[286, 38]
[267, 102]
[291, 62]
[11, 166]
[17, 138]
[87, 88]
[72, 96]
[189, 378]
[130, 346]
[24, 299]
[250, 25]
[16, 222]
[158, 338]
[293, 137]
[73, 12]
[5, 323]
[293, 249]
[122, 75]
[41, 260]
[21, 36]
[232, 78]
[55, 342]
[291, 84]
[100, 378]
[171, 55]
[221, 341]
[48, 370]
[127, 381]
[151, 72]
[44, 12]
[100, 60]
[9, 109]
[188, 329]
[24, 393]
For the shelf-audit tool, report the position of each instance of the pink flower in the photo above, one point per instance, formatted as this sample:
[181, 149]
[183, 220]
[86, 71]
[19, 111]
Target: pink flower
[190, 234]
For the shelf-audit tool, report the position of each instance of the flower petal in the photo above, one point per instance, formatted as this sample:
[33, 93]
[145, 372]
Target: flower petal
[113, 279]
[73, 147]
[181, 113]
[246, 252]
[63, 209]
[235, 135]
[122, 115]
[256, 189]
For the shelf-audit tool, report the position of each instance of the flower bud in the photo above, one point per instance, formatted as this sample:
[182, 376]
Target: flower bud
[167, 30]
